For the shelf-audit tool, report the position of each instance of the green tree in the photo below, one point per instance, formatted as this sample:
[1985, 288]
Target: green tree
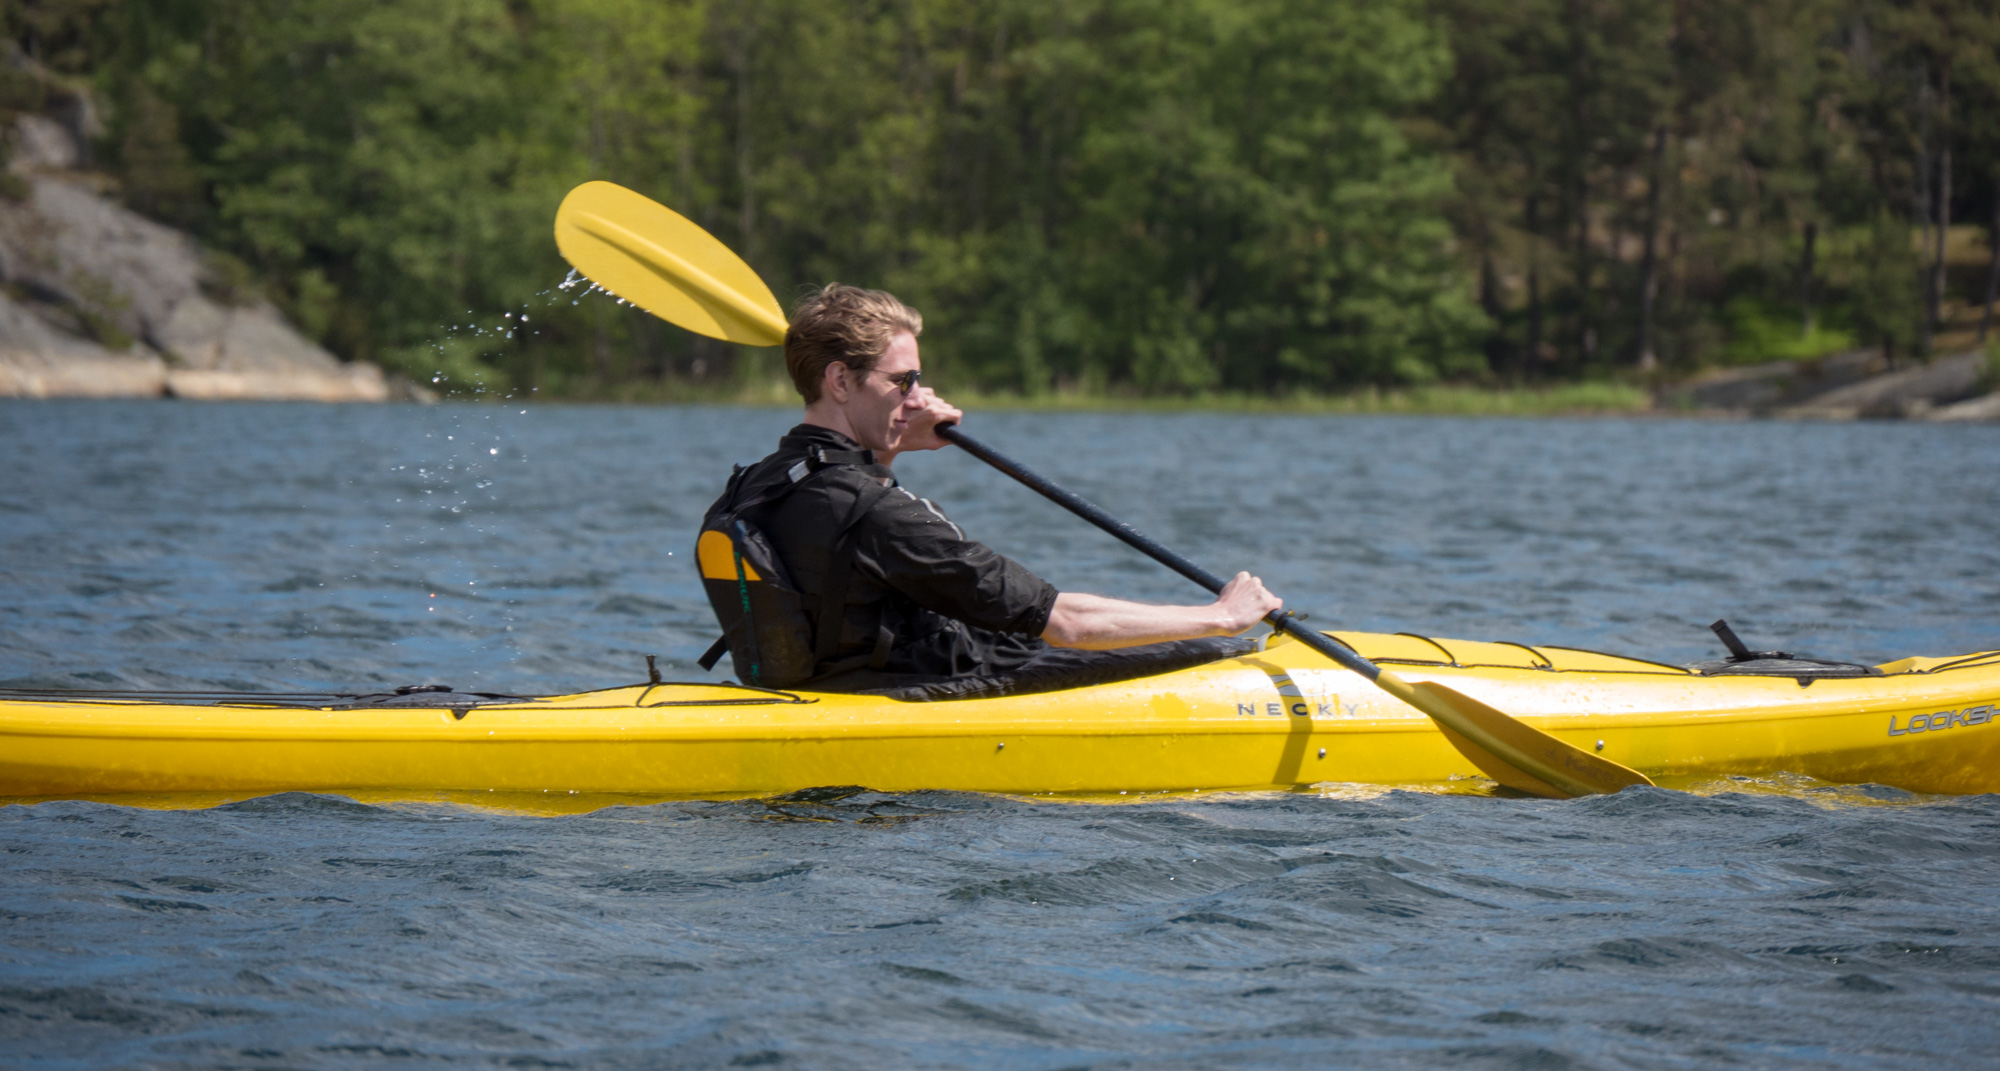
[1159, 196]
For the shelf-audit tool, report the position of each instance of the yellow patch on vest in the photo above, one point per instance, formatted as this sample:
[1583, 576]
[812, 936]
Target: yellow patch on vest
[717, 557]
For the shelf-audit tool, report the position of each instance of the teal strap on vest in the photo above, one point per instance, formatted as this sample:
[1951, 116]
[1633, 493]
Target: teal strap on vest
[743, 592]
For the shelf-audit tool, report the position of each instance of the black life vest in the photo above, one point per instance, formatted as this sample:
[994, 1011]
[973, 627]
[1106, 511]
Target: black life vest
[778, 636]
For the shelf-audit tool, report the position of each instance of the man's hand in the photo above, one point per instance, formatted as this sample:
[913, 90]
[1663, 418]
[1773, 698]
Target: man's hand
[1244, 602]
[921, 413]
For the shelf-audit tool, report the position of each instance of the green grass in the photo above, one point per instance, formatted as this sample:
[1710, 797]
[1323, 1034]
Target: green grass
[1573, 398]
[1759, 332]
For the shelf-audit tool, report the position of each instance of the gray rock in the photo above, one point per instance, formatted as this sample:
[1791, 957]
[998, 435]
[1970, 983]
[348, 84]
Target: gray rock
[349, 383]
[42, 143]
[68, 105]
[1912, 392]
[1976, 409]
[39, 361]
[1763, 388]
[78, 261]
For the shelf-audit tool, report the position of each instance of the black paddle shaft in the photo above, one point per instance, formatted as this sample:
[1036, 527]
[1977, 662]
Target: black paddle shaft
[1144, 544]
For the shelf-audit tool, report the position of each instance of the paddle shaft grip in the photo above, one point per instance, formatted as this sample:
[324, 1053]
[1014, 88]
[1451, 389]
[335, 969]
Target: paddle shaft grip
[1144, 544]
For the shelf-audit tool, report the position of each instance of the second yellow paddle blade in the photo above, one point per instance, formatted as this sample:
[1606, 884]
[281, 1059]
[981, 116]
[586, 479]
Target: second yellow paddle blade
[655, 258]
[1515, 753]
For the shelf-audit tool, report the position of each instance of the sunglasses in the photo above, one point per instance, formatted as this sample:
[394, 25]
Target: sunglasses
[904, 381]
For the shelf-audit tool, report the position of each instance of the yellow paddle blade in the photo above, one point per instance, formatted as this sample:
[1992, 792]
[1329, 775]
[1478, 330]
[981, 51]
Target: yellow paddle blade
[653, 257]
[1513, 752]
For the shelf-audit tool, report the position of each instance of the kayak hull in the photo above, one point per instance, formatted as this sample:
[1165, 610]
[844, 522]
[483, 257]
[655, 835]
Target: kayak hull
[1281, 717]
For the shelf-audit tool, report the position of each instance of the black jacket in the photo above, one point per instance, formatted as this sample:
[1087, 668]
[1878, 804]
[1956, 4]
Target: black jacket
[951, 606]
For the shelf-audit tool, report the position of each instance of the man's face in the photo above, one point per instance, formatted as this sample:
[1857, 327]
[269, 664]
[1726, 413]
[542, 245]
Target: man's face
[878, 410]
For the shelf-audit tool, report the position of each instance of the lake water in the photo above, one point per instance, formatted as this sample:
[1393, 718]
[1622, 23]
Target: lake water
[532, 548]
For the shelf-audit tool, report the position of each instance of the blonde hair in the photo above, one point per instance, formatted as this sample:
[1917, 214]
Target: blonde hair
[845, 324]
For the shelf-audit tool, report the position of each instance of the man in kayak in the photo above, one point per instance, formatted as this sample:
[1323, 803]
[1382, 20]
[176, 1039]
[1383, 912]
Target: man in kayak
[919, 603]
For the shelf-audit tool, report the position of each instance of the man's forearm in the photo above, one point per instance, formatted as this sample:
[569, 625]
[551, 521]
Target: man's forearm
[1096, 623]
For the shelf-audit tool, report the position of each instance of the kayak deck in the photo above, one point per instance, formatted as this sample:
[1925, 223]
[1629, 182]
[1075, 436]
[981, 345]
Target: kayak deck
[1281, 717]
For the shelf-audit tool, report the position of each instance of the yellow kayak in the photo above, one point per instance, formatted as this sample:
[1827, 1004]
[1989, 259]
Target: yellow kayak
[1283, 716]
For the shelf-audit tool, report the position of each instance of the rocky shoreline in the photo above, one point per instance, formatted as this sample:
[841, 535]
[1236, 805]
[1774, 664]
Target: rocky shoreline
[1855, 385]
[97, 301]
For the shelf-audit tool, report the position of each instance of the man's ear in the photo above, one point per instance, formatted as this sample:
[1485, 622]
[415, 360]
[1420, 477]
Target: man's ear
[833, 383]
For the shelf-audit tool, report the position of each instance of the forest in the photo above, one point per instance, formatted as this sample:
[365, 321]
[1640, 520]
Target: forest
[1137, 197]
